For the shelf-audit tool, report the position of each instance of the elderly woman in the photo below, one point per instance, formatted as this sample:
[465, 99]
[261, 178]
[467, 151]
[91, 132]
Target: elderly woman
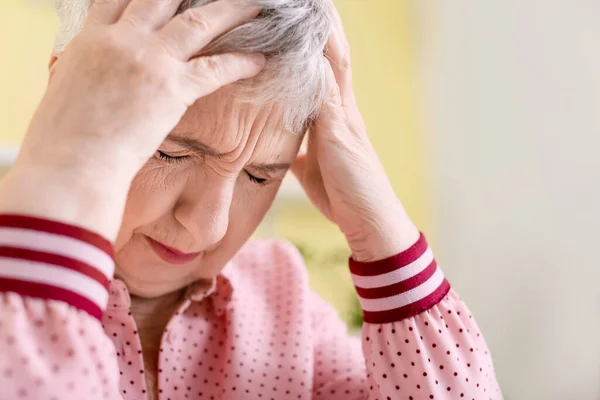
[161, 141]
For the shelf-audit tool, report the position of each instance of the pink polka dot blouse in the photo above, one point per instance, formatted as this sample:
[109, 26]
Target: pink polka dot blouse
[66, 331]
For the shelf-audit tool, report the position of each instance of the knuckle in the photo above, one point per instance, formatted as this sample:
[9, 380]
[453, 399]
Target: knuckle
[146, 69]
[345, 61]
[132, 21]
[102, 3]
[166, 85]
[195, 18]
[216, 67]
[108, 43]
[333, 92]
[113, 38]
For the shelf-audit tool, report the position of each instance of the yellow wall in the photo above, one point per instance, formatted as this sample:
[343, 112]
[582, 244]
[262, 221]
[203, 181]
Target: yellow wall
[379, 33]
[26, 37]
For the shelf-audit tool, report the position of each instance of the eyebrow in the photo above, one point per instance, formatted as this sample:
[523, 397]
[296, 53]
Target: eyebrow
[195, 146]
[270, 168]
[200, 148]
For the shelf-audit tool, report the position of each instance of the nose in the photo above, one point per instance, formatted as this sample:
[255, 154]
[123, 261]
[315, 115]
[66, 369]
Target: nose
[203, 208]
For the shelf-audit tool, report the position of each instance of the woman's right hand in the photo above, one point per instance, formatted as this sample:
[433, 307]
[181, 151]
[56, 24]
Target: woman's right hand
[113, 96]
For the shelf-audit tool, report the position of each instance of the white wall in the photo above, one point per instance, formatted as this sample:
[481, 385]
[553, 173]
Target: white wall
[511, 94]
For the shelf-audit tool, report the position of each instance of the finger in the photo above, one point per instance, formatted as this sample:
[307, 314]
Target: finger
[192, 30]
[306, 169]
[306, 166]
[339, 57]
[301, 168]
[151, 14]
[106, 12]
[334, 98]
[337, 52]
[339, 118]
[299, 165]
[210, 73]
[336, 114]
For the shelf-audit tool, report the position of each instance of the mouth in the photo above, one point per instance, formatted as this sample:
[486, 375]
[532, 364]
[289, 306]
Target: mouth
[170, 254]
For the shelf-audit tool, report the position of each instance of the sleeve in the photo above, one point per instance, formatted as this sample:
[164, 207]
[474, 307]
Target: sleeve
[53, 289]
[419, 340]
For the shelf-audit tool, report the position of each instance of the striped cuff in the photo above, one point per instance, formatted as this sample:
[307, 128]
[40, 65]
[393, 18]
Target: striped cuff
[52, 260]
[401, 286]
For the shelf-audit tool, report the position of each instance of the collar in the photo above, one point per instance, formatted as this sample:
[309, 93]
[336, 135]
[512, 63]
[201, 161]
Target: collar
[220, 293]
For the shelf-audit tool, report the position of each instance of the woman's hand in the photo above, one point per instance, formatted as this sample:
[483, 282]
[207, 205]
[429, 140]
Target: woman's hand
[117, 91]
[341, 172]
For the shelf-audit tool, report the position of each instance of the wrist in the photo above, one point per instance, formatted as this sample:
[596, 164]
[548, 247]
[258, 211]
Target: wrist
[380, 239]
[81, 159]
[72, 196]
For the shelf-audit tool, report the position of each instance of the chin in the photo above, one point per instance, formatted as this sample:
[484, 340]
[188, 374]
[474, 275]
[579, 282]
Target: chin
[143, 287]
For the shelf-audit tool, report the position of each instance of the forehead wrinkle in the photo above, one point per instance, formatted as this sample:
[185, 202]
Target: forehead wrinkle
[252, 122]
[244, 120]
[276, 148]
[230, 129]
[268, 135]
[240, 131]
[227, 131]
[215, 122]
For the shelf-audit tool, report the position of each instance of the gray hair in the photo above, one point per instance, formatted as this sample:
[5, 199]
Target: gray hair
[290, 33]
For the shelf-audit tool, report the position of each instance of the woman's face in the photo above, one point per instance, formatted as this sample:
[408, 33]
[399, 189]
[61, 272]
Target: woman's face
[203, 194]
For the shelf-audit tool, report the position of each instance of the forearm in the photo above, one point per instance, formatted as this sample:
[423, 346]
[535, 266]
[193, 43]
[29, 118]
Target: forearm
[378, 239]
[94, 202]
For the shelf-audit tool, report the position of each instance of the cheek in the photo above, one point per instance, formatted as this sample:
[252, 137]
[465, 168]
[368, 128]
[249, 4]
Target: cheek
[153, 193]
[249, 206]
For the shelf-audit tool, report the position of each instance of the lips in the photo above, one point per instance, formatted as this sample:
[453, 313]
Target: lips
[169, 254]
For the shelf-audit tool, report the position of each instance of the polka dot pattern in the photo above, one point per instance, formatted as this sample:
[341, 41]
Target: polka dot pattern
[260, 333]
[50, 350]
[438, 354]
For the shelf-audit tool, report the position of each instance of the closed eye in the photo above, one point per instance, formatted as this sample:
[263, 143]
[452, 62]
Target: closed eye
[168, 158]
[177, 159]
[256, 179]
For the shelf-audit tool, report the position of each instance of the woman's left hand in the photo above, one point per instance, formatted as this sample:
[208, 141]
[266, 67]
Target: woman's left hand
[342, 174]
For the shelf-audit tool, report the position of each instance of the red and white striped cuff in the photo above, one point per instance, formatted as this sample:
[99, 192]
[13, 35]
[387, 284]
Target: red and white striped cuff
[401, 286]
[52, 260]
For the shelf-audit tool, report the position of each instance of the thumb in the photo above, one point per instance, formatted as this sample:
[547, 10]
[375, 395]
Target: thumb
[332, 117]
[306, 169]
[299, 165]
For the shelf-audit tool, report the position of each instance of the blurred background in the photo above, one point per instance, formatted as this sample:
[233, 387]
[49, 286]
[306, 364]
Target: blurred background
[486, 116]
